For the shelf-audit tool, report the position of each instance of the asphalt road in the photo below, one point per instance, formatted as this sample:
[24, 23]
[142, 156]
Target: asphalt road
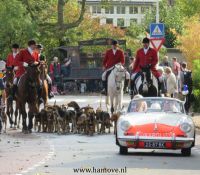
[52, 154]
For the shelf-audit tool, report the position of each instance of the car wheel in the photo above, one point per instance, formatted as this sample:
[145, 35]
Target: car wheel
[186, 151]
[123, 150]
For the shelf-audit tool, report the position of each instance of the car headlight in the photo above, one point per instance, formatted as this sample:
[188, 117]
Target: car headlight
[185, 127]
[124, 125]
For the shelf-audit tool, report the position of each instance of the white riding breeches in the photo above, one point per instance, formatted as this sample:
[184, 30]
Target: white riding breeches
[49, 79]
[15, 81]
[133, 76]
[105, 72]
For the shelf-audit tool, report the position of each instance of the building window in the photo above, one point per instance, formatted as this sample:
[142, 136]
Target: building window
[96, 9]
[133, 10]
[120, 22]
[87, 9]
[121, 10]
[109, 10]
[144, 9]
[109, 21]
[133, 21]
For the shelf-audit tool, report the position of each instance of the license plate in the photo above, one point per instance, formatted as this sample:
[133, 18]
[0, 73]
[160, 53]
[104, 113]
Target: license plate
[154, 144]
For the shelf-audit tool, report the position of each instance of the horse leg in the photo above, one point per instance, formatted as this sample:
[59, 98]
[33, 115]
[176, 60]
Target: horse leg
[24, 116]
[8, 114]
[112, 105]
[30, 124]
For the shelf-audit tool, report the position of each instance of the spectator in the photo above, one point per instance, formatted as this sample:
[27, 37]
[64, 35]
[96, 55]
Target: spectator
[66, 67]
[172, 87]
[176, 67]
[55, 70]
[164, 84]
[186, 80]
[2, 86]
[165, 62]
[131, 63]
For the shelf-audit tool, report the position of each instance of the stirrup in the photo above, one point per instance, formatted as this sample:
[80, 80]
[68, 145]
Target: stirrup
[51, 95]
[103, 92]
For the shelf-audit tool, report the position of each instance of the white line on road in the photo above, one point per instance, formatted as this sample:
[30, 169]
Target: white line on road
[43, 161]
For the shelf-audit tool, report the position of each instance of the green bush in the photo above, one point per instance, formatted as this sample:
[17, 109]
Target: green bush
[196, 85]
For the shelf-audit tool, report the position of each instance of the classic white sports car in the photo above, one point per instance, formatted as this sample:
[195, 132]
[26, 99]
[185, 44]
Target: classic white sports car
[155, 123]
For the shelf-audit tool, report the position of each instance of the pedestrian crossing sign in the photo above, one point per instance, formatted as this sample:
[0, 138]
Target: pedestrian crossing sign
[157, 30]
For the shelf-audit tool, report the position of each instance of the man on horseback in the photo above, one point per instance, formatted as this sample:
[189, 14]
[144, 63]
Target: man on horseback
[145, 56]
[112, 57]
[11, 57]
[23, 58]
[42, 57]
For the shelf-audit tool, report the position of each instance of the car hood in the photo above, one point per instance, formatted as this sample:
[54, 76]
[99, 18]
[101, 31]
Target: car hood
[151, 122]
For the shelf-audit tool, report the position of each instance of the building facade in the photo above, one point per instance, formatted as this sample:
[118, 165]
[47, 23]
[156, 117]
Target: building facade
[120, 12]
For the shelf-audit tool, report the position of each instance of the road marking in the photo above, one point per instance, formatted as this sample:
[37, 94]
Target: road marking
[43, 161]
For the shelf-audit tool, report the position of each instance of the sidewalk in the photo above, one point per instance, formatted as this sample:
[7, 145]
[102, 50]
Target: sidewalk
[196, 120]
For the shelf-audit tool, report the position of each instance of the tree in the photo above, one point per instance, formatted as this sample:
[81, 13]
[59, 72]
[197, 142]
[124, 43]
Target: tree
[173, 19]
[15, 26]
[189, 8]
[189, 41]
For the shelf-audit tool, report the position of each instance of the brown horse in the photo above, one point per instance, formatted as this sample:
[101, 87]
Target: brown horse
[27, 92]
[43, 77]
[9, 98]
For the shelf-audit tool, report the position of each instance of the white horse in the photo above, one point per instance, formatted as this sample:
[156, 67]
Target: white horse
[115, 88]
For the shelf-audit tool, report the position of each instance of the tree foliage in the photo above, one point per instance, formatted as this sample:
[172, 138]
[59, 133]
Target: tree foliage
[15, 25]
[189, 41]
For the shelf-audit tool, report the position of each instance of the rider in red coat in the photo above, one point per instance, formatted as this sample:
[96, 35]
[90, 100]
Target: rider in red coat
[23, 58]
[113, 56]
[11, 57]
[146, 56]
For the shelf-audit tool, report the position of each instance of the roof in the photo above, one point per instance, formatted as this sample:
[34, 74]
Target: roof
[123, 1]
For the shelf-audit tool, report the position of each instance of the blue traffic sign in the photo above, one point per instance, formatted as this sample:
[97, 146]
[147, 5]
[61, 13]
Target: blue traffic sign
[157, 30]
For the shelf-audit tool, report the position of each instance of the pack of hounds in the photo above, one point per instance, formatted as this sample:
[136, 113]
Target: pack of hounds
[70, 118]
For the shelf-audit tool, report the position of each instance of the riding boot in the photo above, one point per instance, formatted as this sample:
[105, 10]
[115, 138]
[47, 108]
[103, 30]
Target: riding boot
[132, 88]
[14, 90]
[50, 93]
[126, 85]
[104, 91]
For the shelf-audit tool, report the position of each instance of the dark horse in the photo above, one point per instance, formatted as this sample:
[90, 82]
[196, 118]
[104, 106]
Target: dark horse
[27, 92]
[145, 83]
[9, 98]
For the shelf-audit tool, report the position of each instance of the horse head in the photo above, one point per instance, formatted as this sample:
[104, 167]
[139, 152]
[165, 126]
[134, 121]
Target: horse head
[10, 74]
[33, 72]
[43, 70]
[120, 75]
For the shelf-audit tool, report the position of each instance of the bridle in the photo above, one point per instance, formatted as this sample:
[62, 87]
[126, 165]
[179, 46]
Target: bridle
[118, 82]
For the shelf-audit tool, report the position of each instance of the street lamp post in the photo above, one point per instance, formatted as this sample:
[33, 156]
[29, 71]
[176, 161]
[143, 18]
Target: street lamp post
[157, 11]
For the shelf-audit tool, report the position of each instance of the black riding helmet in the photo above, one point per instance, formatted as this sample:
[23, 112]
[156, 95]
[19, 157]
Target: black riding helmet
[114, 42]
[15, 46]
[146, 40]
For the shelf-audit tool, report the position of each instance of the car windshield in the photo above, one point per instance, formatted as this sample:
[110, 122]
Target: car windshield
[156, 105]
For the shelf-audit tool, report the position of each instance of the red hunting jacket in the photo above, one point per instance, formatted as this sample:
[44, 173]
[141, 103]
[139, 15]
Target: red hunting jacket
[10, 60]
[143, 60]
[24, 56]
[110, 59]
